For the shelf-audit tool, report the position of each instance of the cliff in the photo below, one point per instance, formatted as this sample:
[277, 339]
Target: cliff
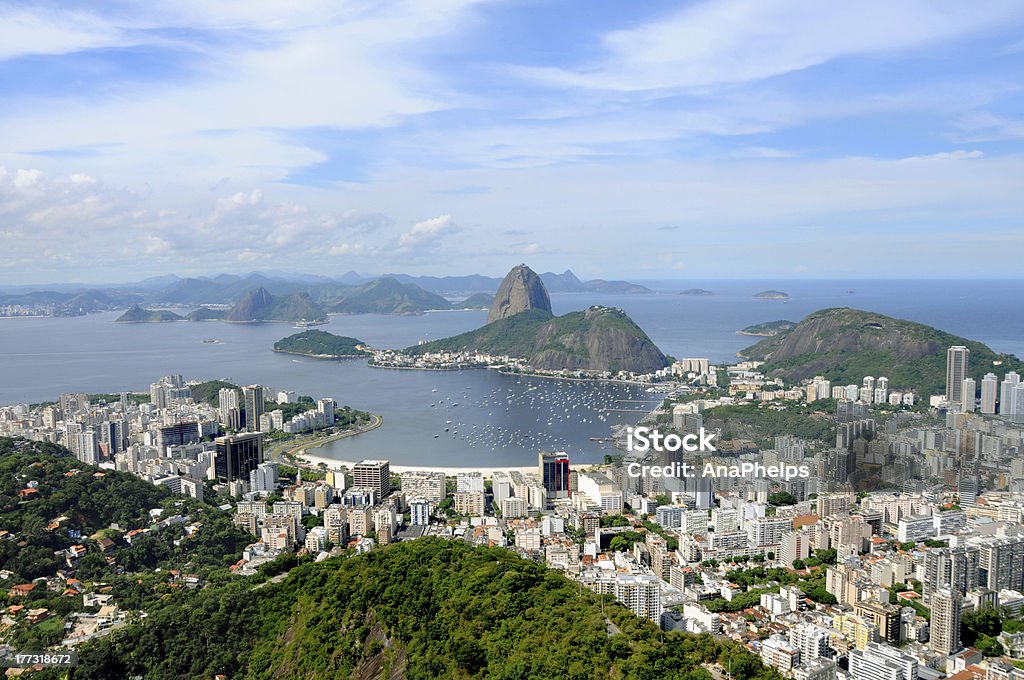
[520, 291]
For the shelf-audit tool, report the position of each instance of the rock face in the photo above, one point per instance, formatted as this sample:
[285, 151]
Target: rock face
[520, 291]
[597, 339]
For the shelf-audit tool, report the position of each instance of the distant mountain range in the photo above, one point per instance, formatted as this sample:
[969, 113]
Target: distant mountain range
[349, 293]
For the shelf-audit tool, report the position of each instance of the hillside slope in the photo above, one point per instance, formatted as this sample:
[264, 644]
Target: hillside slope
[596, 339]
[844, 345]
[317, 343]
[428, 608]
[137, 314]
[386, 296]
[260, 305]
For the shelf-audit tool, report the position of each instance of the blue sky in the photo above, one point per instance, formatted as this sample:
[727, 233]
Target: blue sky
[795, 138]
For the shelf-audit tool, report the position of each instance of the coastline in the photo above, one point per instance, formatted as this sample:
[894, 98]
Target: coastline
[313, 463]
[319, 356]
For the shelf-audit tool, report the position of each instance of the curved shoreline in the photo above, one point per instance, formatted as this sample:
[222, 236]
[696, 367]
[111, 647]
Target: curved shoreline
[289, 454]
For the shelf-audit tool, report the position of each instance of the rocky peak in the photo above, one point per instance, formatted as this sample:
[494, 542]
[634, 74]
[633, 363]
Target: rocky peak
[521, 290]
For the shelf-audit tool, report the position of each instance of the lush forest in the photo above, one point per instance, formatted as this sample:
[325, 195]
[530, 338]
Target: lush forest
[319, 343]
[423, 609]
[137, 314]
[88, 499]
[844, 345]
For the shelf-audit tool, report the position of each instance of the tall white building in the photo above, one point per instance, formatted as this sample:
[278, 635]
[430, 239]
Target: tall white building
[1010, 380]
[989, 388]
[968, 393]
[264, 478]
[957, 358]
[641, 593]
[947, 607]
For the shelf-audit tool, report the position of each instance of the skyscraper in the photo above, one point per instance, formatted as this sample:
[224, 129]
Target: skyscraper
[989, 385]
[553, 470]
[968, 393]
[229, 408]
[1010, 381]
[237, 456]
[373, 474]
[956, 370]
[947, 608]
[253, 397]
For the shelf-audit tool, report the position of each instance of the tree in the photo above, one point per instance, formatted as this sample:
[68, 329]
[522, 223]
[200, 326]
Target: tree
[984, 622]
[780, 498]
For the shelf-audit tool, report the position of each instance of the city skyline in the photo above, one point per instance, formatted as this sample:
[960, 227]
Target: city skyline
[807, 140]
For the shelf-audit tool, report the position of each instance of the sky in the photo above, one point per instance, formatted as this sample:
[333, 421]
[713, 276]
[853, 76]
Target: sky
[711, 139]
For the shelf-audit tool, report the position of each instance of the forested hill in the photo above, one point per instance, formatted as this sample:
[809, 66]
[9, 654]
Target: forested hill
[844, 345]
[423, 609]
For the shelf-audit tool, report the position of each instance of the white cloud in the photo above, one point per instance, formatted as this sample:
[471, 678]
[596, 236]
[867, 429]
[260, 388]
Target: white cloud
[347, 249]
[25, 31]
[737, 41]
[302, 65]
[153, 245]
[24, 179]
[427, 233]
[958, 155]
[248, 255]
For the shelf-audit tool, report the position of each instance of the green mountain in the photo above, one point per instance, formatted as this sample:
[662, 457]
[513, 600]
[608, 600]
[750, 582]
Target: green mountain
[423, 609]
[476, 301]
[260, 305]
[596, 339]
[844, 345]
[386, 296]
[208, 392]
[316, 343]
[207, 314]
[768, 329]
[137, 314]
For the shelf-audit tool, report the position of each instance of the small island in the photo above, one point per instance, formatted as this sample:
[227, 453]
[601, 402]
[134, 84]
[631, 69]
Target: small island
[768, 329]
[771, 295]
[137, 314]
[322, 345]
[695, 291]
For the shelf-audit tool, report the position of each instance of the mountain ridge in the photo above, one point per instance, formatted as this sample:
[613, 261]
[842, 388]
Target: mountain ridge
[845, 344]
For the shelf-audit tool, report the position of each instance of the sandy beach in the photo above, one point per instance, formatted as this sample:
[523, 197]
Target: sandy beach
[314, 460]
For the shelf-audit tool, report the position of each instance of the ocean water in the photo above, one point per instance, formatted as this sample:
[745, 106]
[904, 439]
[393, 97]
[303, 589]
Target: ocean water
[475, 417]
